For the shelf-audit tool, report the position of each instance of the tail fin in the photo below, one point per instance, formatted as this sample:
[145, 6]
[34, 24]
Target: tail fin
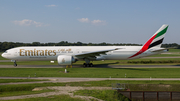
[155, 41]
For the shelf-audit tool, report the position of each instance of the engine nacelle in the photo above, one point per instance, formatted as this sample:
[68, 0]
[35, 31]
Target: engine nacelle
[65, 60]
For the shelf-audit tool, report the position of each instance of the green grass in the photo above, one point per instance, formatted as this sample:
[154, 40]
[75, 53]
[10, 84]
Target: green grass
[106, 95]
[146, 85]
[111, 96]
[104, 83]
[51, 98]
[174, 50]
[16, 93]
[108, 83]
[18, 80]
[21, 89]
[154, 87]
[92, 72]
[24, 89]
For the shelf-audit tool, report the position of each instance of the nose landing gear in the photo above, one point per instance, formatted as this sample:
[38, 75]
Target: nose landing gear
[15, 64]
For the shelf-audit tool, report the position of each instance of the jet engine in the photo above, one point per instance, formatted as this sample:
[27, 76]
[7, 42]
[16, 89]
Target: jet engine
[65, 60]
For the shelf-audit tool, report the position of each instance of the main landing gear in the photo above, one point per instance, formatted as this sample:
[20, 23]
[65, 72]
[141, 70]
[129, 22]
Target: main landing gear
[87, 64]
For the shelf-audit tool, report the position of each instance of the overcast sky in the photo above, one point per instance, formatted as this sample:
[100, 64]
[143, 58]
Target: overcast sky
[95, 21]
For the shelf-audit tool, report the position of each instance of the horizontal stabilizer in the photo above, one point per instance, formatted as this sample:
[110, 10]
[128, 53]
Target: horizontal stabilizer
[156, 50]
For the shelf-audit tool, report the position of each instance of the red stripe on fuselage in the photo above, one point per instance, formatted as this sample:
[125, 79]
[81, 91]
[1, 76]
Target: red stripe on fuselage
[145, 47]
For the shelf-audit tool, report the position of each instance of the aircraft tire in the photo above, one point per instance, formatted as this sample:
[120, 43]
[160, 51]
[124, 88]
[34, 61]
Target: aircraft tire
[87, 65]
[84, 65]
[90, 65]
[15, 65]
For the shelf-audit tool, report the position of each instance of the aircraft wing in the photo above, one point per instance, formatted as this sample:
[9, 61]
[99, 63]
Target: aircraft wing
[93, 54]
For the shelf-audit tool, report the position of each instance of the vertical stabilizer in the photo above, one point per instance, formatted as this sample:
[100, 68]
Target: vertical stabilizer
[155, 41]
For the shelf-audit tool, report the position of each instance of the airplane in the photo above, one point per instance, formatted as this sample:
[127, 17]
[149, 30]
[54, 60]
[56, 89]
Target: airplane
[66, 55]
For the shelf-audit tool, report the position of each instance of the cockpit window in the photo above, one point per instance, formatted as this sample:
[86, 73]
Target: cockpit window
[5, 52]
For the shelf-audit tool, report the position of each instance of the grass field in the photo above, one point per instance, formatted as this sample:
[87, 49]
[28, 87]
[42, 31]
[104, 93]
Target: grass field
[105, 95]
[174, 50]
[16, 93]
[133, 85]
[24, 89]
[52, 98]
[18, 80]
[92, 72]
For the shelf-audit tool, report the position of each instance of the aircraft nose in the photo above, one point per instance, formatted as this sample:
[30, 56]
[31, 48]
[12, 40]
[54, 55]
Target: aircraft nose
[2, 54]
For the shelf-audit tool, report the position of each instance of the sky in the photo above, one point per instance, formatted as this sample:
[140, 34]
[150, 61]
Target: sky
[88, 21]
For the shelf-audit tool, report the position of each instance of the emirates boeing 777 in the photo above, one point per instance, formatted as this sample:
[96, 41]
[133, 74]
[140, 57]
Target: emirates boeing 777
[66, 55]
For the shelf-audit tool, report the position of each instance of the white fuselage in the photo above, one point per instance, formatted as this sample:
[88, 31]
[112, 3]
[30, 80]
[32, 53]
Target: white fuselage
[52, 52]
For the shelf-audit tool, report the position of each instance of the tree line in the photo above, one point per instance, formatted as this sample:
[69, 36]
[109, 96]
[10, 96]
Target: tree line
[7, 45]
